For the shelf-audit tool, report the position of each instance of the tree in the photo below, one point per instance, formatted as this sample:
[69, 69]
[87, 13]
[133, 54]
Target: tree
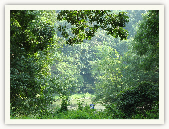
[135, 16]
[107, 73]
[86, 22]
[146, 42]
[141, 95]
[31, 44]
[65, 77]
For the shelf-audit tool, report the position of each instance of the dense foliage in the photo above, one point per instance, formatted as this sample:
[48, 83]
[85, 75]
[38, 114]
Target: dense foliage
[86, 22]
[110, 57]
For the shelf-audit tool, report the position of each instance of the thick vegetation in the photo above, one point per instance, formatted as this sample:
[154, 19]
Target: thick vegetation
[62, 61]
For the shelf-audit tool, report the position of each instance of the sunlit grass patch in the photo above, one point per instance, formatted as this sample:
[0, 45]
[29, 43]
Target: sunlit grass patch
[85, 99]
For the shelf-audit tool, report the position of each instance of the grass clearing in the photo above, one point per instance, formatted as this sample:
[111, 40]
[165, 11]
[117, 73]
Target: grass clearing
[85, 99]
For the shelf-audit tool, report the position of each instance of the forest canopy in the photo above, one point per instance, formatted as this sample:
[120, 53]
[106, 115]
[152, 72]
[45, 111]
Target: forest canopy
[108, 58]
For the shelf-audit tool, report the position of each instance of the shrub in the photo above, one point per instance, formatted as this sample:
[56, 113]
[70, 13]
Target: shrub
[138, 100]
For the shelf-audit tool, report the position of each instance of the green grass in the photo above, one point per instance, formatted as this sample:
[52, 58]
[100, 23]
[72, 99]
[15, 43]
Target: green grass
[85, 99]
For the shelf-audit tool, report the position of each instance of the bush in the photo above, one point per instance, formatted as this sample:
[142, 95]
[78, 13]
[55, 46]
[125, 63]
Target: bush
[83, 113]
[135, 102]
[149, 114]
